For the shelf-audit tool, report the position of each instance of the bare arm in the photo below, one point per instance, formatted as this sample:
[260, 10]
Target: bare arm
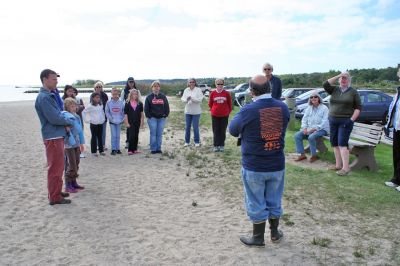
[126, 121]
[142, 120]
[355, 115]
[334, 79]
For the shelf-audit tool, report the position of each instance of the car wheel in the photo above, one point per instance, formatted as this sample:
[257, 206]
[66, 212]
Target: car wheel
[384, 119]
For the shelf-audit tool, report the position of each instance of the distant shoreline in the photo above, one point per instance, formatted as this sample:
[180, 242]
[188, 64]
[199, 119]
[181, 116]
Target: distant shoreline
[81, 91]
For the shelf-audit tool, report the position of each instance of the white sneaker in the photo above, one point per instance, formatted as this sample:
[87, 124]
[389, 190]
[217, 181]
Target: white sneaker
[197, 144]
[82, 155]
[186, 145]
[391, 184]
[398, 188]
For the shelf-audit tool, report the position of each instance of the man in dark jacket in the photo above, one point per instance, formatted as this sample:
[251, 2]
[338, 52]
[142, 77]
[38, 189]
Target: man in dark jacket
[274, 81]
[262, 126]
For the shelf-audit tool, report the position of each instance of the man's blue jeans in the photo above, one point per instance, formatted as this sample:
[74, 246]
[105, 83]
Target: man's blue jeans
[192, 119]
[312, 139]
[115, 136]
[156, 126]
[263, 194]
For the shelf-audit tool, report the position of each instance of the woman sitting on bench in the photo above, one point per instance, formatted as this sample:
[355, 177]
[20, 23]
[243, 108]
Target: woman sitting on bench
[313, 126]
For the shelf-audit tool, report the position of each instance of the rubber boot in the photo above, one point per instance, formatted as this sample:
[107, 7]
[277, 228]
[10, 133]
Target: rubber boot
[276, 234]
[257, 239]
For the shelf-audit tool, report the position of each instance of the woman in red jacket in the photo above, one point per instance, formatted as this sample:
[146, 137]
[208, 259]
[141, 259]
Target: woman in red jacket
[220, 104]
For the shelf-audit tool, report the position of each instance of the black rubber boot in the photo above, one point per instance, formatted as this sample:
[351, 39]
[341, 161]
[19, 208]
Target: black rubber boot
[257, 239]
[276, 234]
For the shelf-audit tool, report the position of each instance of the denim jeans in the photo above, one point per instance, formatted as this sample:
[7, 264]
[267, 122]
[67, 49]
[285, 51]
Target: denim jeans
[156, 126]
[115, 136]
[341, 128]
[192, 119]
[263, 194]
[312, 139]
[103, 136]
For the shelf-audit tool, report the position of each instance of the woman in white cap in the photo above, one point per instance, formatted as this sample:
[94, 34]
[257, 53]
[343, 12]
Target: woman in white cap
[313, 125]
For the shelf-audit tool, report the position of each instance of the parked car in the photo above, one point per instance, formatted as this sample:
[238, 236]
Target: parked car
[375, 106]
[303, 98]
[229, 87]
[239, 88]
[241, 98]
[293, 92]
[204, 88]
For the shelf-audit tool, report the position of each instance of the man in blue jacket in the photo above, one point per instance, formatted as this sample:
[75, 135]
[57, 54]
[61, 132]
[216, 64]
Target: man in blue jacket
[262, 127]
[53, 127]
[276, 83]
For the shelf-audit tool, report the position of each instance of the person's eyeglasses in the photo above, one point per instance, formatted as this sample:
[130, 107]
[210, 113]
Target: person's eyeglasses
[313, 97]
[131, 81]
[98, 87]
[220, 84]
[191, 81]
[265, 69]
[344, 77]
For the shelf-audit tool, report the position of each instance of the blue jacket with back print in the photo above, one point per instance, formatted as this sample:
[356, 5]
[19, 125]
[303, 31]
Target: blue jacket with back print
[262, 127]
[51, 119]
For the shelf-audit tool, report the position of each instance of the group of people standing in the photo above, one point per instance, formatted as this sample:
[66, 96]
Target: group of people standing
[261, 125]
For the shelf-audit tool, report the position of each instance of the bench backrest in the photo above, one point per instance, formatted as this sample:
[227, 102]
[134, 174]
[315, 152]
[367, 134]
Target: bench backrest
[367, 133]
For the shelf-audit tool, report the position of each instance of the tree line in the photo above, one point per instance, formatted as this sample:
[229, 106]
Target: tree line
[384, 79]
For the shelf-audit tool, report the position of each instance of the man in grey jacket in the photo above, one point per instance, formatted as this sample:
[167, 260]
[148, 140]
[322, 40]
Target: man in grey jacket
[53, 126]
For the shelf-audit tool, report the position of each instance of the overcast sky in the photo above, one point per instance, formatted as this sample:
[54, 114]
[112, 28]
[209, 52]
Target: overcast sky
[112, 40]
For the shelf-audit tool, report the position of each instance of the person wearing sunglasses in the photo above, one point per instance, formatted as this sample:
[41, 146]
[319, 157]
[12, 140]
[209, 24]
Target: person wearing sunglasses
[220, 104]
[192, 96]
[313, 125]
[345, 107]
[275, 82]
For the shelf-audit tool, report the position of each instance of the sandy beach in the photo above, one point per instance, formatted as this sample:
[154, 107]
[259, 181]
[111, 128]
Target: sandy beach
[137, 210]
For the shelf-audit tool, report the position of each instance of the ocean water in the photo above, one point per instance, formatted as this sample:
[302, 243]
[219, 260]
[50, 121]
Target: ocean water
[9, 93]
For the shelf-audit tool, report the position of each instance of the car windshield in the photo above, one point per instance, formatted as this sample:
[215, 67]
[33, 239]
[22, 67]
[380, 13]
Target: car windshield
[238, 86]
[286, 93]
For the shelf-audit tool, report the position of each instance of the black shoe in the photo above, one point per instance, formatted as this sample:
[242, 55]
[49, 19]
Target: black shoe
[257, 239]
[153, 152]
[113, 152]
[276, 235]
[119, 152]
[63, 201]
[64, 194]
[158, 151]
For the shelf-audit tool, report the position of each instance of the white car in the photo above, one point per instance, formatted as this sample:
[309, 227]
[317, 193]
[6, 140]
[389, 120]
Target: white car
[205, 88]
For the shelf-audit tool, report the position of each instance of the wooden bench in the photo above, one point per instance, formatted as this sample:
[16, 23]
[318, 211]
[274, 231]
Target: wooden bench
[362, 143]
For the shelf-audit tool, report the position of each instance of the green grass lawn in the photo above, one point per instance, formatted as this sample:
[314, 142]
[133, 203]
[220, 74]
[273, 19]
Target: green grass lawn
[360, 191]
